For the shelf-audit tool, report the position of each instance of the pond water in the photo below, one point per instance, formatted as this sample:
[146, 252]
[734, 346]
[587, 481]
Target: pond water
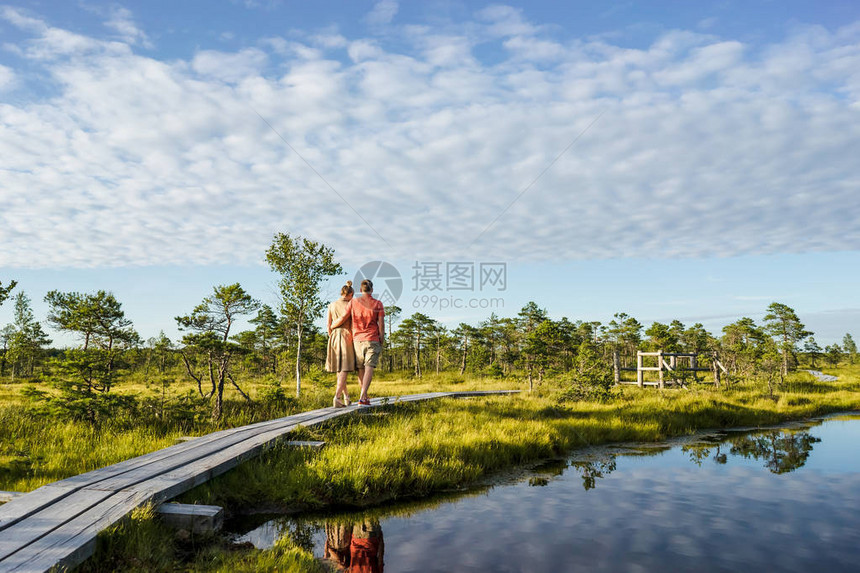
[783, 499]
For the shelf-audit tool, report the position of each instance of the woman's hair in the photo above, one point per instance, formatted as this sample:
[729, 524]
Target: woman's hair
[346, 289]
[366, 285]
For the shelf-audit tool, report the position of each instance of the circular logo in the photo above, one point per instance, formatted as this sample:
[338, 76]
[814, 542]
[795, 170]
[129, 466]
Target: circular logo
[387, 283]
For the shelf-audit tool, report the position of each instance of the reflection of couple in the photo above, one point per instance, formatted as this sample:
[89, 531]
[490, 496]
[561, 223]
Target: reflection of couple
[356, 329]
[356, 548]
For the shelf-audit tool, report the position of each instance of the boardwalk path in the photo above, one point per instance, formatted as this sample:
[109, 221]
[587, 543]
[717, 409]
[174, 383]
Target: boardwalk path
[57, 524]
[822, 376]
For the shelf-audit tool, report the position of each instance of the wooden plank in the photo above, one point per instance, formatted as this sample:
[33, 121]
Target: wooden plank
[170, 484]
[26, 505]
[57, 524]
[305, 444]
[39, 524]
[681, 354]
[202, 519]
[140, 461]
[221, 461]
[616, 367]
[478, 393]
[46, 495]
[74, 541]
[202, 441]
[9, 495]
[142, 473]
[34, 503]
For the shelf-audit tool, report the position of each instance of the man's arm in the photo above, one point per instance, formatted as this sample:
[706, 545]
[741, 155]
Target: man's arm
[381, 323]
[344, 318]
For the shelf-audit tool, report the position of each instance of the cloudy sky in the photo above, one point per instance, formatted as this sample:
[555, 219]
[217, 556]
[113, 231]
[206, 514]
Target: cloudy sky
[695, 161]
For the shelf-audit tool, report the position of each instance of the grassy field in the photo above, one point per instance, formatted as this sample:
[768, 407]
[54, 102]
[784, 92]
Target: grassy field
[36, 449]
[404, 452]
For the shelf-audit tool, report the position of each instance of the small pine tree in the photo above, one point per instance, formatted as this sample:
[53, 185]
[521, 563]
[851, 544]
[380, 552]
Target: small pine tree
[850, 348]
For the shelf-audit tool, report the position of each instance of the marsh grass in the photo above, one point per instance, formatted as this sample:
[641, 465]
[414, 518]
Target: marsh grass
[140, 543]
[401, 452]
[412, 450]
[36, 448]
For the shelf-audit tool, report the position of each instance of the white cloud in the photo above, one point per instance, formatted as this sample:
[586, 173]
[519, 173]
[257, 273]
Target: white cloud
[7, 77]
[259, 4]
[364, 50]
[707, 147]
[122, 22]
[704, 61]
[506, 21]
[230, 67]
[383, 12]
[51, 43]
[22, 20]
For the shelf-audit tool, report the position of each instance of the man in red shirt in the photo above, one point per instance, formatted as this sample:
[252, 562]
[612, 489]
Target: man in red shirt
[368, 334]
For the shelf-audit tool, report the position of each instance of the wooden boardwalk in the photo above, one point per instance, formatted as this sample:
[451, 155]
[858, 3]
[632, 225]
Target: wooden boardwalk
[57, 524]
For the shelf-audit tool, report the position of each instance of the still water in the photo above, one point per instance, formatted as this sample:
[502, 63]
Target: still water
[784, 499]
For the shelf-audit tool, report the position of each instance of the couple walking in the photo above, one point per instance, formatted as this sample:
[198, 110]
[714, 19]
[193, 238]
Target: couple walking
[356, 330]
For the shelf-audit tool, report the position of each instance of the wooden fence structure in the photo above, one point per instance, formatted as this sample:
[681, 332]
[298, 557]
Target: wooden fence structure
[55, 526]
[668, 366]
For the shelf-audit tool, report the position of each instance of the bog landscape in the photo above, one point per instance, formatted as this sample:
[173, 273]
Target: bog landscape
[439, 286]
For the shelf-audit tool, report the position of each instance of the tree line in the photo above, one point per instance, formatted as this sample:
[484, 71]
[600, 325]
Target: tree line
[533, 344]
[284, 338]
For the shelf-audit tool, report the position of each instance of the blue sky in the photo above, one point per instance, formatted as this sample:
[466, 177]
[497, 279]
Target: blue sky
[674, 159]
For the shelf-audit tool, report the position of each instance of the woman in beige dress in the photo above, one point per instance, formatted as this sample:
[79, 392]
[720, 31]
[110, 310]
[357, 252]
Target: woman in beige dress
[340, 356]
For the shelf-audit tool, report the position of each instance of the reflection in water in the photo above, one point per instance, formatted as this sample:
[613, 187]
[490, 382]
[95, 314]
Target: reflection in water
[591, 471]
[355, 547]
[741, 505]
[700, 452]
[782, 450]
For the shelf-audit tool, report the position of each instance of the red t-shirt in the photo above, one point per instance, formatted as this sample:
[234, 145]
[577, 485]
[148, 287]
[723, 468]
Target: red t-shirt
[365, 555]
[365, 311]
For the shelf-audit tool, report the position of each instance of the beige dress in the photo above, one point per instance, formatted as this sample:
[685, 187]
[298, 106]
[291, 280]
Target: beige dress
[340, 356]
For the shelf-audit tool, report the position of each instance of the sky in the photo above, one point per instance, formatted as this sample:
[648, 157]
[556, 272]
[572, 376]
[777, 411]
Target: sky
[684, 160]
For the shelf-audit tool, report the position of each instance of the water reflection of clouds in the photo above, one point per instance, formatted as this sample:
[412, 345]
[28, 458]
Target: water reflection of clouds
[677, 516]
[665, 521]
[672, 515]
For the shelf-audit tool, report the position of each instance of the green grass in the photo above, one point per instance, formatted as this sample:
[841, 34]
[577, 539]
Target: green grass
[417, 449]
[406, 452]
[141, 544]
[36, 450]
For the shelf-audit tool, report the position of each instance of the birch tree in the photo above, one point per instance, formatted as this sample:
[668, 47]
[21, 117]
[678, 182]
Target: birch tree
[303, 265]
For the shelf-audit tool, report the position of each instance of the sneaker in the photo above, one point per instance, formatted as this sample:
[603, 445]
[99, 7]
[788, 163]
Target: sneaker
[365, 402]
